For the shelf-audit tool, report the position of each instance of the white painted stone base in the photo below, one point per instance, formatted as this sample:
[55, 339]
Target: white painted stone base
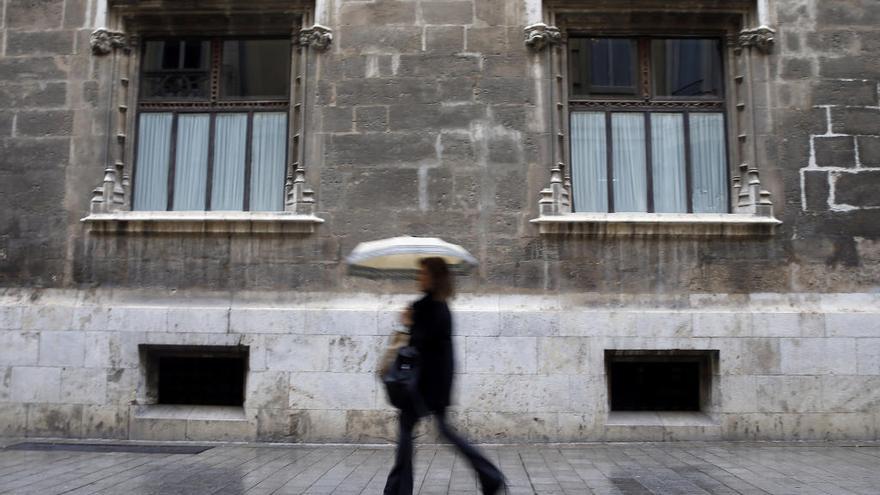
[530, 368]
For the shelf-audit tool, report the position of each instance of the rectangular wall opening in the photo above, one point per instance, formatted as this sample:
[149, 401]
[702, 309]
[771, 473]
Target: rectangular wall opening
[195, 375]
[660, 380]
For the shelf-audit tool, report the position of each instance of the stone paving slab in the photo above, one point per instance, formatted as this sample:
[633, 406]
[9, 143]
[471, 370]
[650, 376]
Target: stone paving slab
[567, 469]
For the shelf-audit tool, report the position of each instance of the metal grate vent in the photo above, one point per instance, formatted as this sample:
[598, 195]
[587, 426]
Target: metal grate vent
[107, 447]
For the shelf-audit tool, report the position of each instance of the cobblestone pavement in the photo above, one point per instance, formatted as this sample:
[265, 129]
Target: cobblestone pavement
[631, 468]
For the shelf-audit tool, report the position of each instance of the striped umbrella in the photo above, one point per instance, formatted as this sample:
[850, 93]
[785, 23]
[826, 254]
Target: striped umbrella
[398, 257]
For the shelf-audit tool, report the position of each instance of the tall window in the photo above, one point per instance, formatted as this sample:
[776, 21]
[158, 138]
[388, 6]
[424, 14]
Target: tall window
[212, 125]
[647, 125]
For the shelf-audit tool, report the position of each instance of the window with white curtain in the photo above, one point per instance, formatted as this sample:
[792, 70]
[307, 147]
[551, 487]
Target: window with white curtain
[212, 125]
[647, 125]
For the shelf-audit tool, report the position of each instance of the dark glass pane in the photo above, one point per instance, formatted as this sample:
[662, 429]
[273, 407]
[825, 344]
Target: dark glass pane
[255, 69]
[687, 67]
[612, 65]
[176, 69]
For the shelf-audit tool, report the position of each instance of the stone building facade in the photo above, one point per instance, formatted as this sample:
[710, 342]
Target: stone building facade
[451, 118]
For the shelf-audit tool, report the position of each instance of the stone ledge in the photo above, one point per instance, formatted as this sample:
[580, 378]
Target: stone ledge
[692, 224]
[206, 222]
[184, 412]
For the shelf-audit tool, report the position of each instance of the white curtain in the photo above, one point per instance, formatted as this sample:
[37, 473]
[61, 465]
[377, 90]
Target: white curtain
[230, 141]
[151, 170]
[709, 163]
[629, 162]
[191, 162]
[589, 172]
[668, 162]
[269, 150]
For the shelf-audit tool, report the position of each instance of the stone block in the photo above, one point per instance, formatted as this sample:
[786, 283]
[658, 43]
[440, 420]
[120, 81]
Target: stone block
[19, 69]
[365, 39]
[198, 320]
[383, 13]
[139, 319]
[10, 318]
[486, 40]
[392, 188]
[514, 393]
[869, 151]
[355, 354]
[727, 324]
[386, 148]
[35, 14]
[512, 355]
[738, 393]
[816, 189]
[434, 117]
[578, 427]
[44, 123]
[33, 94]
[105, 422]
[856, 120]
[564, 355]
[457, 90]
[47, 318]
[476, 323]
[124, 386]
[33, 384]
[445, 39]
[83, 386]
[796, 68]
[266, 320]
[371, 426]
[297, 352]
[5, 384]
[835, 151]
[529, 323]
[62, 348]
[586, 323]
[371, 119]
[267, 389]
[867, 353]
[848, 93]
[788, 325]
[332, 391]
[13, 420]
[848, 14]
[500, 427]
[858, 189]
[447, 12]
[504, 90]
[19, 349]
[156, 429]
[431, 65]
[221, 431]
[587, 394]
[343, 322]
[748, 356]
[850, 393]
[54, 420]
[818, 356]
[789, 394]
[337, 119]
[853, 324]
[39, 42]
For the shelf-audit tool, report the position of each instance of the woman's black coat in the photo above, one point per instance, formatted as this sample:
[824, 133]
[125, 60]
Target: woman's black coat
[431, 335]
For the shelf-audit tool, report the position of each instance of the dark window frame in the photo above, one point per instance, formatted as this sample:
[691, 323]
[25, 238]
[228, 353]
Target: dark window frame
[646, 101]
[214, 105]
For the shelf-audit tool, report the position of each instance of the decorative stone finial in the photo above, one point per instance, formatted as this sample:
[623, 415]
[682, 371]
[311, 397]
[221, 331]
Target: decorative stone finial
[317, 36]
[761, 38]
[540, 35]
[103, 41]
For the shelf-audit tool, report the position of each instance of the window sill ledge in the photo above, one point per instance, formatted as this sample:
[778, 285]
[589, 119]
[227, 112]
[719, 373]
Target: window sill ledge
[205, 222]
[693, 224]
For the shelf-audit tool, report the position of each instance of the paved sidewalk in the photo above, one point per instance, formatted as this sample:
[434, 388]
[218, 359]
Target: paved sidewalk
[633, 468]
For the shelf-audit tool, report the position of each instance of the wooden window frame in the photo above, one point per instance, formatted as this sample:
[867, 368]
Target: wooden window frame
[646, 102]
[214, 105]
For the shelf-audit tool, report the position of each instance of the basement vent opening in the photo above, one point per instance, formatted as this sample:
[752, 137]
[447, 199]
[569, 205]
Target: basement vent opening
[195, 375]
[660, 380]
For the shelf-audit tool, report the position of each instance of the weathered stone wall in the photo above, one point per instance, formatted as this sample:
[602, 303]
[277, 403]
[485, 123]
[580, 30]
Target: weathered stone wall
[529, 368]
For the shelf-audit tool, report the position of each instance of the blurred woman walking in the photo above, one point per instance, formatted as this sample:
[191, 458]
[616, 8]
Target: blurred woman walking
[430, 324]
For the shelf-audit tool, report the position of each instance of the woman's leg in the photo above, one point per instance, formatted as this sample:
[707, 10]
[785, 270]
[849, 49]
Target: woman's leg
[491, 478]
[400, 479]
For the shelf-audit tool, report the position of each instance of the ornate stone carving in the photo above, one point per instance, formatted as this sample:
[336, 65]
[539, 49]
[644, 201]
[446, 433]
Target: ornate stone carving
[103, 41]
[540, 35]
[317, 36]
[761, 38]
[111, 195]
[300, 198]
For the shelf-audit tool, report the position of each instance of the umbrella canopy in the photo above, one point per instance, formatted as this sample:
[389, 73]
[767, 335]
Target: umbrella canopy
[398, 257]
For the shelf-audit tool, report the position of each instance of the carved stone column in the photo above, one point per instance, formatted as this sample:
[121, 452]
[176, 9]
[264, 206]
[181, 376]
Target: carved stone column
[539, 37]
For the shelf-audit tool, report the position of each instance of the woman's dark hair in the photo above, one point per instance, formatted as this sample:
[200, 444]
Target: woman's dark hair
[442, 286]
